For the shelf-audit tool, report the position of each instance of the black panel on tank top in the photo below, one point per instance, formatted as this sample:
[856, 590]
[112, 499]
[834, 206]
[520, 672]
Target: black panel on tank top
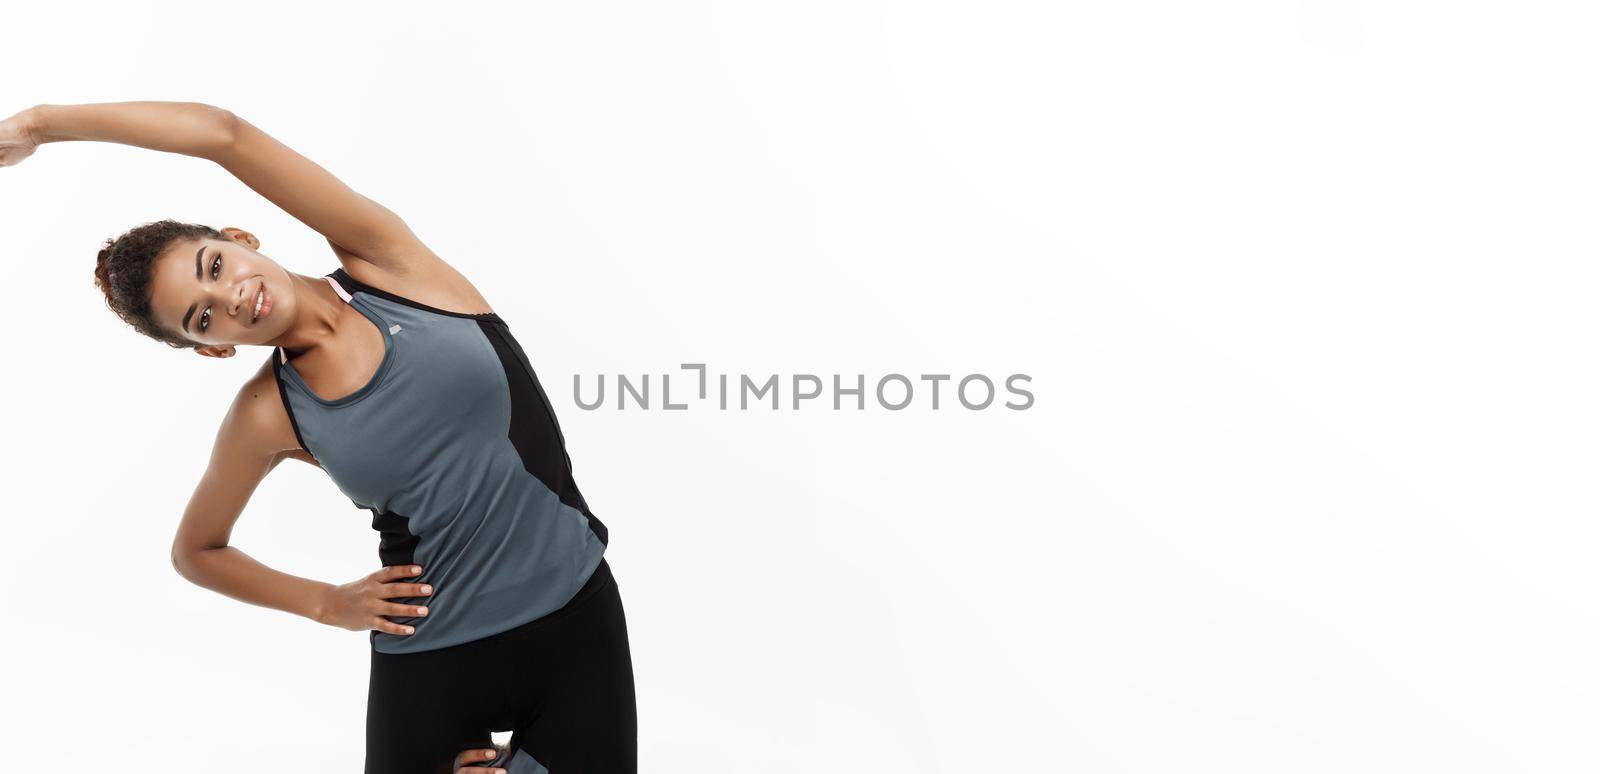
[534, 430]
[396, 544]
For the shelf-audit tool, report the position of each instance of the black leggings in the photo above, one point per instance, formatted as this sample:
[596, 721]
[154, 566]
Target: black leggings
[562, 684]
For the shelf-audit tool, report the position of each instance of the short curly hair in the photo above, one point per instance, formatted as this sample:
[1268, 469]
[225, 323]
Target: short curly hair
[124, 268]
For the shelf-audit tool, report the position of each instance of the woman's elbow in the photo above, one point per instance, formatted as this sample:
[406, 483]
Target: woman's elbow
[180, 563]
[224, 130]
[183, 562]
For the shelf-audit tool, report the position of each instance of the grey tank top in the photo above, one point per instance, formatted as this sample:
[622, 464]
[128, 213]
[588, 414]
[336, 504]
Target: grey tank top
[455, 450]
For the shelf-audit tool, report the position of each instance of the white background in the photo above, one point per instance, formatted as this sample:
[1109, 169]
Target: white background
[1305, 289]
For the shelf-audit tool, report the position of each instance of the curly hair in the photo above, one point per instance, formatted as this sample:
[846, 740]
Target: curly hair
[123, 270]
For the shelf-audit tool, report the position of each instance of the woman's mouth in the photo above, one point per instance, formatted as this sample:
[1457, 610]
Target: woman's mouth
[263, 306]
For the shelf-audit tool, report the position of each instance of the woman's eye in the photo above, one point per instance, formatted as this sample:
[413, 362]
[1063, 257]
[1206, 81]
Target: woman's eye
[205, 319]
[216, 266]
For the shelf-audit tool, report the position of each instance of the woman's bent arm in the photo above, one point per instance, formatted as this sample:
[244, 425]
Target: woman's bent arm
[254, 438]
[229, 571]
[190, 128]
[250, 443]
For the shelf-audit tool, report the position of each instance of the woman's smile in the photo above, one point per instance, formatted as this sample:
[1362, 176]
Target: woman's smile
[263, 304]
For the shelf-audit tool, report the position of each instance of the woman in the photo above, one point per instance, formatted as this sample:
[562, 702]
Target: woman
[495, 608]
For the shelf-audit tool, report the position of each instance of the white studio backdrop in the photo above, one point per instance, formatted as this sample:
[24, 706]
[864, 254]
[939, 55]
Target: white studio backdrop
[1305, 290]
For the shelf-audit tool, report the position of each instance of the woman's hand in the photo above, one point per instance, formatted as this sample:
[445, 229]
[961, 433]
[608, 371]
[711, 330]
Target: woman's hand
[464, 762]
[358, 605]
[18, 138]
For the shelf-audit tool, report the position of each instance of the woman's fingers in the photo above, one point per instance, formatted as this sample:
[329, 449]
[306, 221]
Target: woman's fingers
[474, 756]
[387, 588]
[16, 141]
[386, 625]
[395, 608]
[392, 590]
[395, 572]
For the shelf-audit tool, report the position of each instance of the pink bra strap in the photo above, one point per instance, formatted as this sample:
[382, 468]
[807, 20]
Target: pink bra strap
[337, 288]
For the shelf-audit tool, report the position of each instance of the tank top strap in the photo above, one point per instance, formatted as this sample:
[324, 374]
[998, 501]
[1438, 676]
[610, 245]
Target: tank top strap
[337, 289]
[353, 285]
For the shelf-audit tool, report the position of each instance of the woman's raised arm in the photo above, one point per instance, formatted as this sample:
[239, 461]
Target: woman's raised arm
[299, 186]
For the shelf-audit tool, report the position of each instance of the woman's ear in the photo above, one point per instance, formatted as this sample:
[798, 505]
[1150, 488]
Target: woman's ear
[241, 236]
[211, 351]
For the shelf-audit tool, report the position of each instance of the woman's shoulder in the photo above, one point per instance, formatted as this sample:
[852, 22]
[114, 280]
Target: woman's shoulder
[421, 276]
[257, 424]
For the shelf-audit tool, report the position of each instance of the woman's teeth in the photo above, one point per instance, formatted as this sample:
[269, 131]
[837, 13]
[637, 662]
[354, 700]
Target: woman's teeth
[261, 296]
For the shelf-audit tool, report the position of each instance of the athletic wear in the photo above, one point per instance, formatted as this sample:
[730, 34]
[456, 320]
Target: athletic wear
[563, 685]
[455, 450]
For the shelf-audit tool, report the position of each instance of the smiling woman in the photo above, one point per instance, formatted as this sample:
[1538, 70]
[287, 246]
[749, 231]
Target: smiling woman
[495, 608]
[125, 267]
[191, 286]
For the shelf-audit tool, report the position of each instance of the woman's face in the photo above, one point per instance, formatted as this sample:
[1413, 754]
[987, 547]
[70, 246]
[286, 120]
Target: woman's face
[207, 290]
